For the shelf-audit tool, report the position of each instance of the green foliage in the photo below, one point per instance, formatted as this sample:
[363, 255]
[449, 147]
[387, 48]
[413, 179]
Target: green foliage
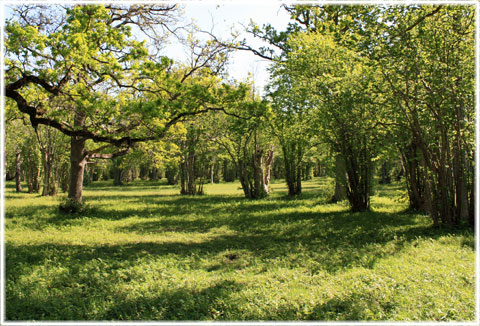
[337, 86]
[70, 206]
[146, 253]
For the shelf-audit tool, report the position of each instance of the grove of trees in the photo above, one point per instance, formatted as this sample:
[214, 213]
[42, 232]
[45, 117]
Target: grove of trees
[360, 93]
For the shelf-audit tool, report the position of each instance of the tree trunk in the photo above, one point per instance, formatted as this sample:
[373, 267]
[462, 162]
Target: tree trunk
[18, 171]
[64, 177]
[415, 177]
[340, 180]
[471, 207]
[385, 174]
[359, 181]
[293, 170]
[49, 186]
[77, 167]
[308, 171]
[460, 168]
[258, 181]
[171, 174]
[267, 170]
[243, 177]
[212, 172]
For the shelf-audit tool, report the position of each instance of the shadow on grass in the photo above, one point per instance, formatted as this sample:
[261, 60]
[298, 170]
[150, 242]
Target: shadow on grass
[94, 298]
[92, 273]
[175, 304]
[253, 233]
[340, 239]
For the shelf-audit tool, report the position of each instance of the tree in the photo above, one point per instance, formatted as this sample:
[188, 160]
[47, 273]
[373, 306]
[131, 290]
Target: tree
[79, 70]
[339, 85]
[290, 124]
[242, 133]
[429, 70]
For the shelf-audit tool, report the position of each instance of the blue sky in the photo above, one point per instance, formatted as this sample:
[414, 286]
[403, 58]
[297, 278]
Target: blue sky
[223, 15]
[226, 15]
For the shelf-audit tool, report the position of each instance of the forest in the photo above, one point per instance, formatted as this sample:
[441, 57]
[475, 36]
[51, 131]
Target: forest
[141, 186]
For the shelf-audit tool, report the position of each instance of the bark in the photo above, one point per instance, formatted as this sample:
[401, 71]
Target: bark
[267, 169]
[188, 173]
[32, 171]
[49, 182]
[340, 180]
[18, 171]
[359, 179]
[460, 169]
[258, 181]
[77, 167]
[293, 169]
[415, 178]
[471, 206]
[429, 204]
[244, 179]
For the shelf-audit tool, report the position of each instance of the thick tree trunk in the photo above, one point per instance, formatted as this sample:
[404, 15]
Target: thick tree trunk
[293, 170]
[154, 173]
[258, 181]
[359, 181]
[18, 171]
[267, 170]
[77, 167]
[49, 186]
[188, 175]
[244, 179]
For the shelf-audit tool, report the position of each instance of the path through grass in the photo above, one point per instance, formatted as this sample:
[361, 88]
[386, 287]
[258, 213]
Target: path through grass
[143, 252]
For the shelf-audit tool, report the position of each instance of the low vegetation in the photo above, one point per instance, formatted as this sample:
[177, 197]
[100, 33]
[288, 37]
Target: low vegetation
[144, 252]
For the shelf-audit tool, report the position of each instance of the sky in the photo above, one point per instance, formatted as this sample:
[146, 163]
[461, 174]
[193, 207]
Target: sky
[222, 16]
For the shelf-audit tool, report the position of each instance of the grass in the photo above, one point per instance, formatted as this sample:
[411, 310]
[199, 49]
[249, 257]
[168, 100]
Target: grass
[143, 252]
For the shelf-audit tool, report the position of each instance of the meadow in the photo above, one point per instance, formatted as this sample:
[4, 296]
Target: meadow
[144, 252]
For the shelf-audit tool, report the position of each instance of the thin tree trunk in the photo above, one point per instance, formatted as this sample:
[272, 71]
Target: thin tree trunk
[340, 180]
[18, 171]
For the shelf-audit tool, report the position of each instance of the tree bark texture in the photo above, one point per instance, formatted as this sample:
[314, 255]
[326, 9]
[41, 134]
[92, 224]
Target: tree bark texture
[18, 171]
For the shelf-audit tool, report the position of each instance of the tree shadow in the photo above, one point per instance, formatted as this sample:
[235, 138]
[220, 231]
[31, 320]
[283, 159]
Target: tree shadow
[175, 304]
[338, 240]
[95, 296]
[238, 233]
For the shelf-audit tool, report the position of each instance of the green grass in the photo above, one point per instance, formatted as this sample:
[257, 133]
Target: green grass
[143, 252]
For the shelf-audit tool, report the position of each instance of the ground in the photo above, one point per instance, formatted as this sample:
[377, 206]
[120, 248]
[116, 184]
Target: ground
[144, 252]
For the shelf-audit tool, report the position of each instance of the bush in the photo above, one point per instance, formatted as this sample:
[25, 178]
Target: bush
[70, 206]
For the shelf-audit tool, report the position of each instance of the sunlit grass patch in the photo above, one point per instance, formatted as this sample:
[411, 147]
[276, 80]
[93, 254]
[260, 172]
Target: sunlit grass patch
[143, 252]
